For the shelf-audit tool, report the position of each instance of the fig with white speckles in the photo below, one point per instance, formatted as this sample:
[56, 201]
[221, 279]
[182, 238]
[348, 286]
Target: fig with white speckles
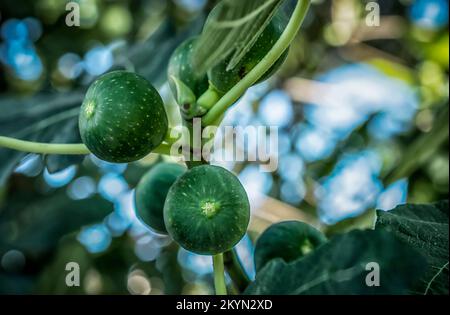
[207, 210]
[223, 80]
[289, 240]
[180, 67]
[151, 194]
[122, 118]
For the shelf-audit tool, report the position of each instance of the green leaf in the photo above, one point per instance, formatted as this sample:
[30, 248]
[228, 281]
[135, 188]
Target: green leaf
[425, 228]
[39, 118]
[34, 223]
[232, 28]
[52, 279]
[339, 267]
[101, 273]
[53, 117]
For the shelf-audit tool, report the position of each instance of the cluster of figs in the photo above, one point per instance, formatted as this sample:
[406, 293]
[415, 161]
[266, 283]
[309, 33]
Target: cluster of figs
[205, 209]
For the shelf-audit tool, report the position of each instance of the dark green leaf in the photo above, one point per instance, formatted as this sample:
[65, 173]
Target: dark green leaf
[232, 29]
[339, 267]
[52, 280]
[424, 227]
[43, 118]
[34, 224]
[103, 273]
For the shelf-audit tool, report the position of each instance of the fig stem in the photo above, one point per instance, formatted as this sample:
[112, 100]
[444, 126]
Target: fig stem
[56, 148]
[169, 140]
[265, 64]
[163, 149]
[43, 148]
[208, 99]
[219, 275]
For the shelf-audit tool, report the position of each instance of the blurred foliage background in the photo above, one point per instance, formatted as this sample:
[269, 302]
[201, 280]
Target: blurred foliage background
[362, 112]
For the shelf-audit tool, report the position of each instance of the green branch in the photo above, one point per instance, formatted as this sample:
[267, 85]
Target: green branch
[43, 148]
[208, 99]
[63, 149]
[266, 63]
